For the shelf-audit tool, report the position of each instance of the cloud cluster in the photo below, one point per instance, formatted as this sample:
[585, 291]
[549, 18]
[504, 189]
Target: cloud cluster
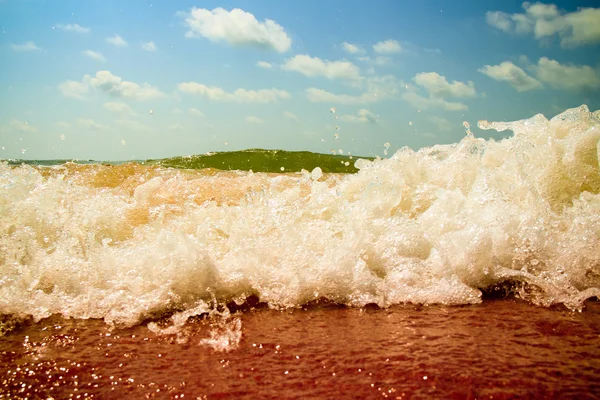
[387, 47]
[149, 46]
[236, 27]
[314, 66]
[363, 116]
[559, 76]
[27, 46]
[73, 28]
[576, 28]
[239, 95]
[93, 55]
[111, 84]
[116, 41]
[439, 90]
[511, 74]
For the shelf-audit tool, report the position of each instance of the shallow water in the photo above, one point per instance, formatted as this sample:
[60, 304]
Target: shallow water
[500, 349]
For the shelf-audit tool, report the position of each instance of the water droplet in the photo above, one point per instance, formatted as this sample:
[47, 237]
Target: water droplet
[283, 169]
[332, 110]
[341, 151]
[123, 142]
[410, 123]
[63, 137]
[336, 135]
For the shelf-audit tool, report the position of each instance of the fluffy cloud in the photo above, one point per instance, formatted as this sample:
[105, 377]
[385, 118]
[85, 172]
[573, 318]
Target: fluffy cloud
[149, 46]
[94, 55]
[239, 95]
[437, 86]
[545, 20]
[568, 77]
[236, 27]
[73, 28]
[254, 120]
[118, 108]
[388, 47]
[264, 64]
[113, 85]
[195, 112]
[290, 115]
[375, 89]
[352, 48]
[74, 89]
[28, 46]
[362, 116]
[314, 66]
[117, 41]
[322, 96]
[512, 74]
[92, 125]
[424, 103]
[22, 126]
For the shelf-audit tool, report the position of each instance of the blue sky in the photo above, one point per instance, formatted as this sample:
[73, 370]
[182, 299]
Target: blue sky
[116, 80]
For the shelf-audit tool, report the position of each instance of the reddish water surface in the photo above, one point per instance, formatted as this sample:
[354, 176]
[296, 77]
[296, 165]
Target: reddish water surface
[500, 349]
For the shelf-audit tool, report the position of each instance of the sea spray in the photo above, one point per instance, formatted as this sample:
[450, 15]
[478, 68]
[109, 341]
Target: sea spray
[133, 242]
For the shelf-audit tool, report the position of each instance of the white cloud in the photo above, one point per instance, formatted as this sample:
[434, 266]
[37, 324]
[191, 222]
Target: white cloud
[239, 95]
[264, 64]
[376, 89]
[177, 111]
[22, 126]
[74, 89]
[195, 112]
[117, 41]
[322, 96]
[290, 115]
[362, 116]
[63, 124]
[236, 27]
[91, 124]
[512, 74]
[115, 86]
[352, 48]
[568, 77]
[132, 125]
[424, 103]
[118, 108]
[254, 120]
[28, 46]
[111, 84]
[441, 123]
[388, 47]
[576, 28]
[149, 46]
[93, 54]
[73, 28]
[314, 66]
[437, 86]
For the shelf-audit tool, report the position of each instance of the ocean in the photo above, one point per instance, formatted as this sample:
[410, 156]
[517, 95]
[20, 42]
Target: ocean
[469, 270]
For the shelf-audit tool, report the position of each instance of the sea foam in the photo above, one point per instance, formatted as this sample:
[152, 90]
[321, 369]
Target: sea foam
[130, 243]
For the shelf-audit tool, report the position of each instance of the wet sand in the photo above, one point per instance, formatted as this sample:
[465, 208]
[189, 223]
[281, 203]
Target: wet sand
[501, 349]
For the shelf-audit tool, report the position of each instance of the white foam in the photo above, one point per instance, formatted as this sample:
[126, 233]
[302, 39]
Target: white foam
[429, 226]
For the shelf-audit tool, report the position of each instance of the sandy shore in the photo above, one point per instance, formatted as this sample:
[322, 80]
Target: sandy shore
[500, 349]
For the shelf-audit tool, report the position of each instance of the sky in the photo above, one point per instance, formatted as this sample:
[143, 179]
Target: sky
[114, 80]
